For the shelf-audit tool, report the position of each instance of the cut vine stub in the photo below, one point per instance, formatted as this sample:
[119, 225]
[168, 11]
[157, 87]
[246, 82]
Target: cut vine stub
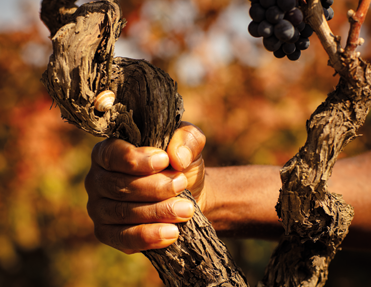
[146, 112]
[147, 109]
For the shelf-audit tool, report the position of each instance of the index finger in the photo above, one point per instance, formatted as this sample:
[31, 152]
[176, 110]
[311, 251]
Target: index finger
[120, 156]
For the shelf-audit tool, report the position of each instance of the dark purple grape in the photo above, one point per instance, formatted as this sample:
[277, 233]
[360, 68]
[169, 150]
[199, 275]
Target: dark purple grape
[257, 12]
[272, 43]
[253, 29]
[284, 30]
[295, 37]
[301, 26]
[274, 14]
[327, 3]
[288, 48]
[302, 43]
[294, 56]
[325, 12]
[295, 16]
[265, 29]
[286, 5]
[267, 3]
[279, 53]
[330, 12]
[307, 31]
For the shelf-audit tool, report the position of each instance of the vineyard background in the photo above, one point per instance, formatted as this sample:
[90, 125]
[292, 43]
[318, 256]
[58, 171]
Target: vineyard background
[251, 106]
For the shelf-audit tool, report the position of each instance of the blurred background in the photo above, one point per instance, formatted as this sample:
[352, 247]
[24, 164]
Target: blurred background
[251, 106]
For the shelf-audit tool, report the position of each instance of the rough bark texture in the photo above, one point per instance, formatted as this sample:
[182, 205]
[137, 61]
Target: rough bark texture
[315, 220]
[147, 110]
[198, 258]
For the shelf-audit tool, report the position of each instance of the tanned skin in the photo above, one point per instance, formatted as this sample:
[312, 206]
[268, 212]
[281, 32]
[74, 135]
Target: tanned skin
[132, 194]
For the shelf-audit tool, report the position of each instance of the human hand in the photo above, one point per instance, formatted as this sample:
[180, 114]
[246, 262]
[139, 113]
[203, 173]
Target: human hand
[132, 191]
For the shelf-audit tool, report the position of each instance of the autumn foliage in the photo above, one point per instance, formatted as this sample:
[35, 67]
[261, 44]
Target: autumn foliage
[251, 106]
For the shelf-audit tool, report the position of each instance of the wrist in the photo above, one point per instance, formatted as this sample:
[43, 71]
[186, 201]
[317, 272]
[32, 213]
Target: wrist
[206, 200]
[240, 201]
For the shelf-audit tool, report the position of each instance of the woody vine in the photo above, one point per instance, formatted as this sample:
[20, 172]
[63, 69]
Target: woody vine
[315, 220]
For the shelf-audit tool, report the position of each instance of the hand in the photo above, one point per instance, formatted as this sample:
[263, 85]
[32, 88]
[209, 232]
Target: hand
[132, 191]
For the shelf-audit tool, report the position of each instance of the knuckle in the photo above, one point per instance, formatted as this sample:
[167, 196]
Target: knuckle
[117, 187]
[130, 159]
[169, 210]
[195, 133]
[163, 184]
[116, 237]
[142, 234]
[199, 136]
[122, 210]
[198, 141]
[164, 188]
[163, 211]
[122, 240]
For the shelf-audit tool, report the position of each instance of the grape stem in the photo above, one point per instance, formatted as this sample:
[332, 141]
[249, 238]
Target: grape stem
[356, 20]
[313, 13]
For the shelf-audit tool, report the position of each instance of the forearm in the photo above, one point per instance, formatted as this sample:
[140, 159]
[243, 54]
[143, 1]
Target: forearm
[241, 200]
[352, 178]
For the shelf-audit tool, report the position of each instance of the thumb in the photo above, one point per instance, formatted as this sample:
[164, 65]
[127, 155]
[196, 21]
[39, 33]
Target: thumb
[185, 146]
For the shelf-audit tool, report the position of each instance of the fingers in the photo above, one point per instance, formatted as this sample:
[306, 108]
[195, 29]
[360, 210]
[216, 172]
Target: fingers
[100, 183]
[132, 192]
[132, 239]
[173, 210]
[114, 223]
[121, 156]
[185, 146]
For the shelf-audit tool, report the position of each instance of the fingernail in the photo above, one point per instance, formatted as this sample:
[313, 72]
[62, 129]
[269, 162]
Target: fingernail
[185, 156]
[159, 161]
[180, 183]
[183, 208]
[169, 232]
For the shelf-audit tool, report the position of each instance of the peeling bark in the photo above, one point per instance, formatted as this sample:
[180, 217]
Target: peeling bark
[147, 110]
[315, 220]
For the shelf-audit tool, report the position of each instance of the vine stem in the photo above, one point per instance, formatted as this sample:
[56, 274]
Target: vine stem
[313, 12]
[356, 20]
[315, 220]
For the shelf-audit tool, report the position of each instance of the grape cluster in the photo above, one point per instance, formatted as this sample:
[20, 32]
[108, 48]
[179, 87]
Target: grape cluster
[280, 23]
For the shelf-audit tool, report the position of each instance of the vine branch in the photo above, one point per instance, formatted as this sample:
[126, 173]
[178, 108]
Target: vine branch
[146, 112]
[315, 220]
[356, 20]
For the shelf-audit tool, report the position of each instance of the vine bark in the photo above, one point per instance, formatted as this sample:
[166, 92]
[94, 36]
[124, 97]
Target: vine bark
[315, 220]
[146, 112]
[148, 109]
